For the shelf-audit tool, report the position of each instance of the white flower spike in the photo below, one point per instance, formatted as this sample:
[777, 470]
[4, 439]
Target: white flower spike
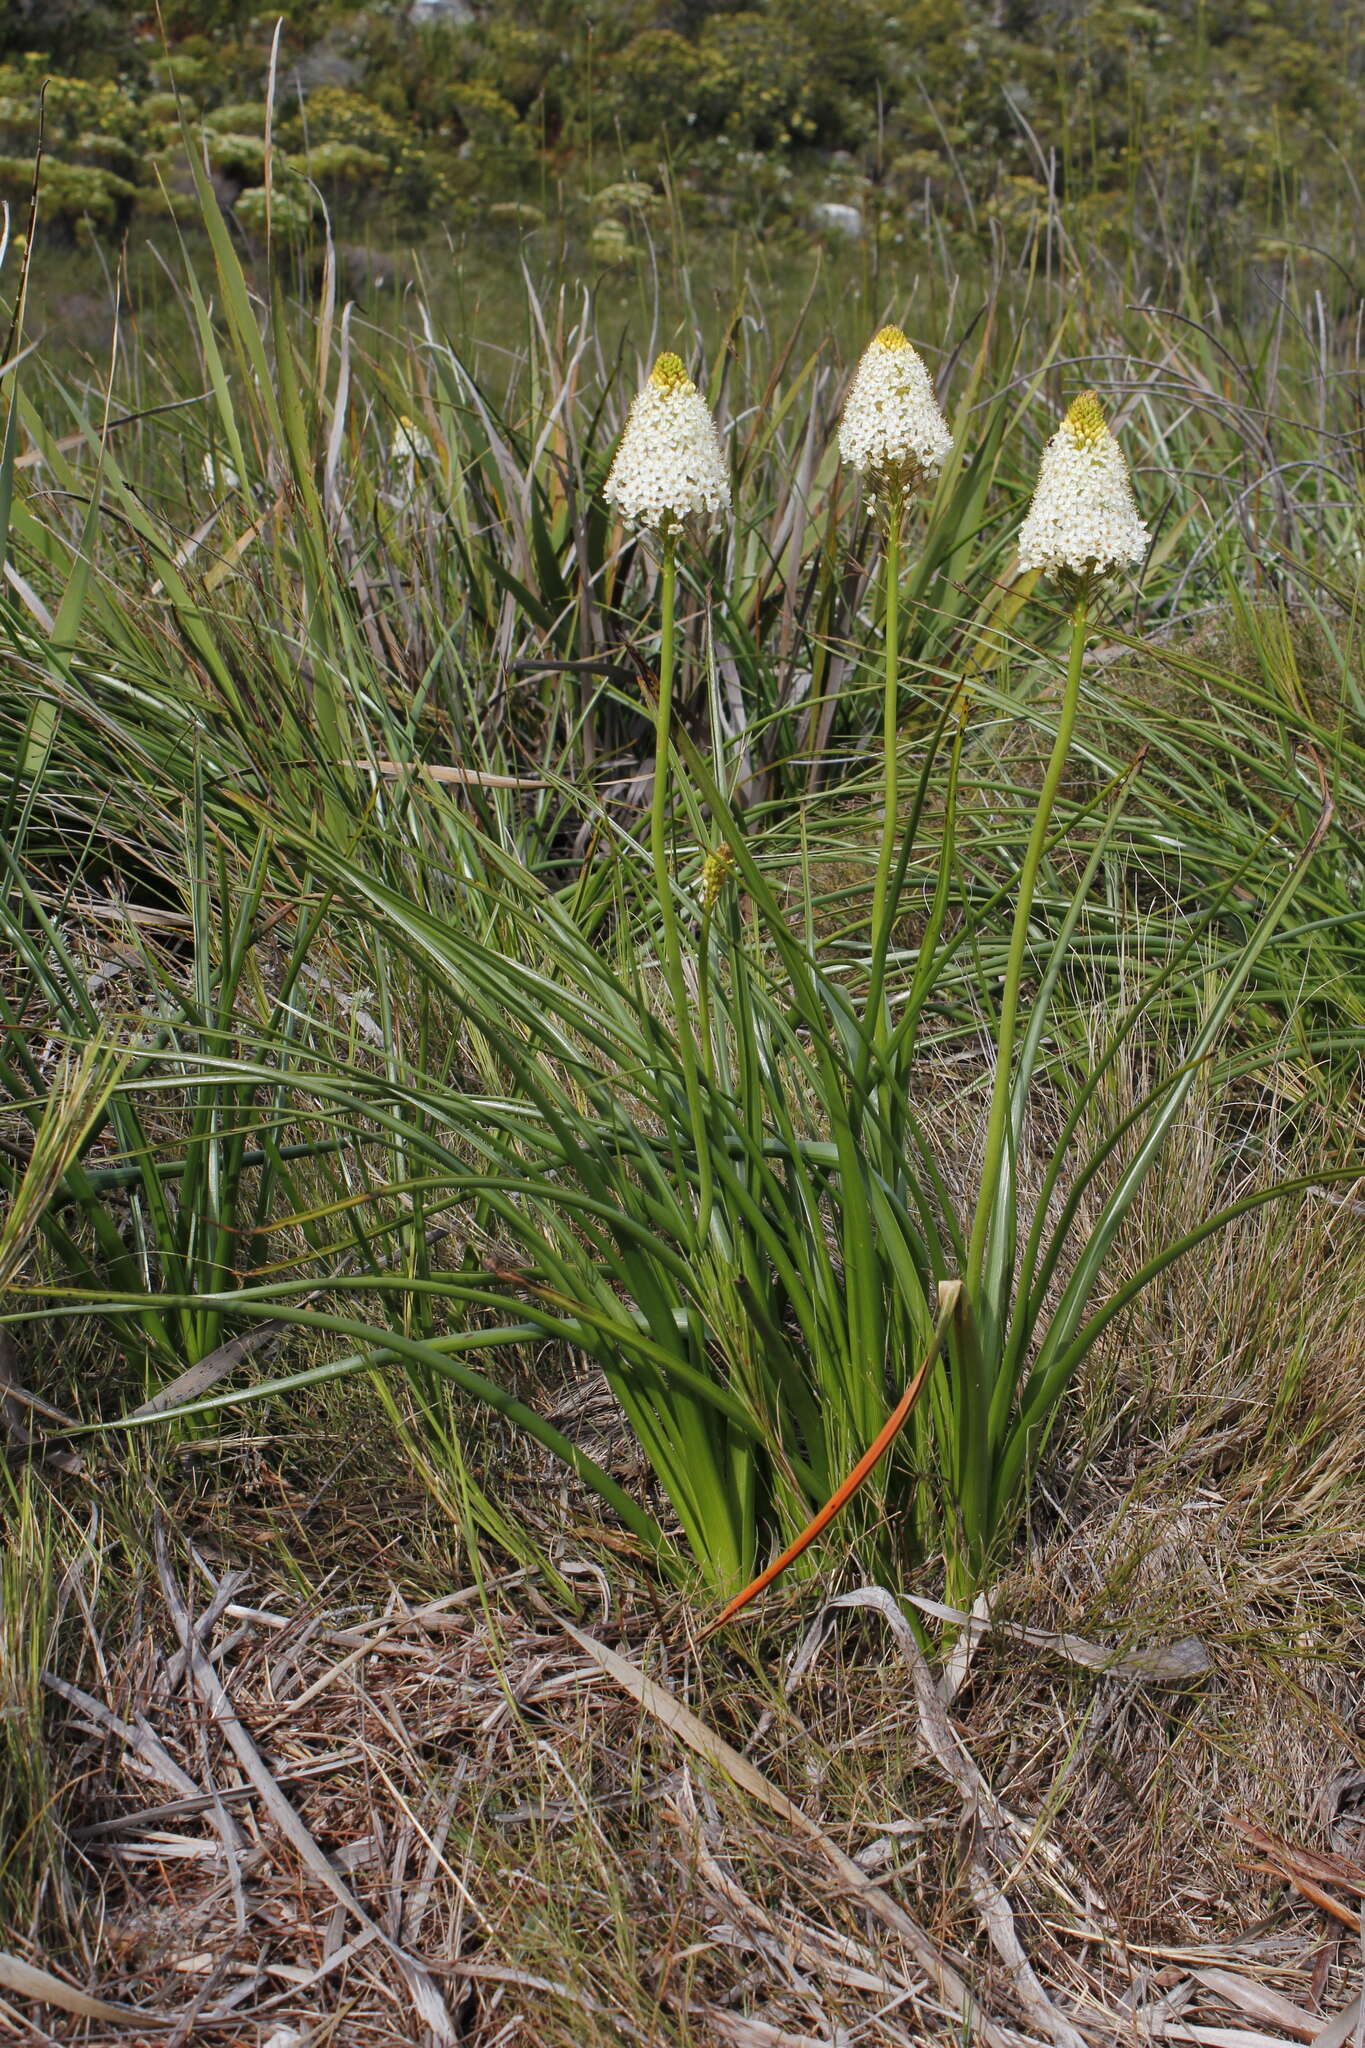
[669, 465]
[220, 476]
[410, 445]
[892, 429]
[1083, 523]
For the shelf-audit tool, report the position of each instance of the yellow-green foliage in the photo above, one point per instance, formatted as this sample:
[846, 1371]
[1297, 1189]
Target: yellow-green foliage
[760, 79]
[342, 137]
[494, 141]
[1231, 109]
[519, 63]
[333, 114]
[484, 114]
[338, 164]
[240, 157]
[656, 82]
[75, 196]
[187, 74]
[243, 117]
[75, 106]
[290, 214]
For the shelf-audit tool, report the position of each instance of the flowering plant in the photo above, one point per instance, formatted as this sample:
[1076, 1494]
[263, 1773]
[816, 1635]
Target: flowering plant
[1083, 524]
[893, 432]
[892, 429]
[669, 466]
[670, 469]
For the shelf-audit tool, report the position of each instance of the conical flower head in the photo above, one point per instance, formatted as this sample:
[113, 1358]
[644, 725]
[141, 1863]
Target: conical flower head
[1083, 523]
[669, 464]
[892, 429]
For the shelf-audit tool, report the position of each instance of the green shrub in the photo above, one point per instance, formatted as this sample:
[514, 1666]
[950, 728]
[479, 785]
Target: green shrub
[108, 153]
[761, 79]
[194, 75]
[242, 117]
[334, 114]
[291, 214]
[67, 31]
[520, 64]
[338, 165]
[748, 76]
[854, 56]
[72, 107]
[484, 115]
[74, 196]
[161, 109]
[656, 83]
[382, 147]
[239, 157]
[495, 144]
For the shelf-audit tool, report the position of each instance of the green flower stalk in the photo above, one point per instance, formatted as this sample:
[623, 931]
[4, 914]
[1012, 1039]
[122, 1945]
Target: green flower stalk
[670, 470]
[716, 871]
[1081, 528]
[894, 433]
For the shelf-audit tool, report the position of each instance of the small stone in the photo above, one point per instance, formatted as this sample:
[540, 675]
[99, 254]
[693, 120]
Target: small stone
[835, 219]
[451, 13]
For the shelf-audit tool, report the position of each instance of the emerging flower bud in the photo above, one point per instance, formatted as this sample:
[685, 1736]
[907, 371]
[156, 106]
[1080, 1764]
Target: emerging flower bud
[892, 429]
[669, 465]
[716, 870]
[1083, 523]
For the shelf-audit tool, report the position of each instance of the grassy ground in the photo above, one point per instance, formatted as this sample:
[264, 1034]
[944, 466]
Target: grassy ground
[332, 951]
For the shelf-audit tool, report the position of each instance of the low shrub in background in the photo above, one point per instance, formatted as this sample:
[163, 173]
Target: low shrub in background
[940, 117]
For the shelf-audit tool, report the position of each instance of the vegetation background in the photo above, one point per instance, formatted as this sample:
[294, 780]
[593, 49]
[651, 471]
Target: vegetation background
[1214, 133]
[381, 1425]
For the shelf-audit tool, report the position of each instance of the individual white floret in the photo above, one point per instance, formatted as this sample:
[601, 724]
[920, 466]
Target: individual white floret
[669, 464]
[1083, 522]
[892, 429]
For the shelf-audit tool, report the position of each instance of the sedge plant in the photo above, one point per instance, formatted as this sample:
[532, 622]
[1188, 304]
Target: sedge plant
[737, 1210]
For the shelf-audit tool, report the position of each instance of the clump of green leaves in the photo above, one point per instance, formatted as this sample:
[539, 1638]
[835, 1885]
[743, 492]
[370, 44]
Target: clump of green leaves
[398, 1074]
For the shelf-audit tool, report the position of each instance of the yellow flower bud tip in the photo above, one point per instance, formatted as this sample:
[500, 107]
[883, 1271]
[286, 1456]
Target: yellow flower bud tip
[669, 373]
[1085, 420]
[890, 338]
